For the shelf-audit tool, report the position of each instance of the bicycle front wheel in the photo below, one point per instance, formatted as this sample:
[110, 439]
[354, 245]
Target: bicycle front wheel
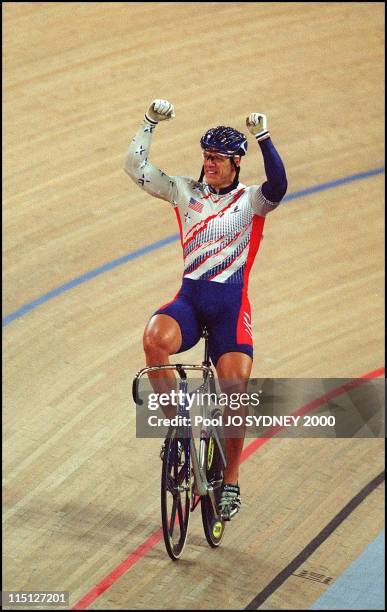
[175, 492]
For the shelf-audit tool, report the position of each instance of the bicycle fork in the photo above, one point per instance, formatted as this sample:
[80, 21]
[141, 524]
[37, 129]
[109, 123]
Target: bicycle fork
[201, 485]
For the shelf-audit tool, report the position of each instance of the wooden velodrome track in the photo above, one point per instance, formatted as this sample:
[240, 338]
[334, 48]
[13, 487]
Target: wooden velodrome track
[81, 493]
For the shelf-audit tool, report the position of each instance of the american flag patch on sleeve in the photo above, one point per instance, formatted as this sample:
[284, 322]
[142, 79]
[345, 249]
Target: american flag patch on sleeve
[195, 205]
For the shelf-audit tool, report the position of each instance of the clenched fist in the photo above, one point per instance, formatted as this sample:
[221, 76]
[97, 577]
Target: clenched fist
[160, 110]
[257, 125]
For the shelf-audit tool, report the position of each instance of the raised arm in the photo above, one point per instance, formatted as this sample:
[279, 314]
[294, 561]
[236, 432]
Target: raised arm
[274, 188]
[140, 170]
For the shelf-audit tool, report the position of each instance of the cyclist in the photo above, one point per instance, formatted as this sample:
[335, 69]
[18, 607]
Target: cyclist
[220, 221]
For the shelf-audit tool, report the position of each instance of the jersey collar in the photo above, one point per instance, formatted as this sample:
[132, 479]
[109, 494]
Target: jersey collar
[225, 190]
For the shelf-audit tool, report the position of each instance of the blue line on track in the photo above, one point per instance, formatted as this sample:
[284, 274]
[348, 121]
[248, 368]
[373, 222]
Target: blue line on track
[332, 184]
[17, 314]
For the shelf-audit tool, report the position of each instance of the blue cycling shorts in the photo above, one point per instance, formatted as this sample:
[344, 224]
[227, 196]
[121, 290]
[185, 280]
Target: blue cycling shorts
[224, 309]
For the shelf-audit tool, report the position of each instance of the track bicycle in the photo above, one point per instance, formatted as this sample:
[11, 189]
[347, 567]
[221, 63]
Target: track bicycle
[192, 466]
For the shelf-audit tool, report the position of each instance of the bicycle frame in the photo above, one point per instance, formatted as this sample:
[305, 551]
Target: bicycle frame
[202, 486]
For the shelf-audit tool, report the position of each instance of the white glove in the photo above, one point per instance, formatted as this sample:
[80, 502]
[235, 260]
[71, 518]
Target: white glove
[257, 125]
[160, 110]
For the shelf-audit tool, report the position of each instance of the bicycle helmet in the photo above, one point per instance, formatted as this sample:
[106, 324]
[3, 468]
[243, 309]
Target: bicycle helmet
[225, 140]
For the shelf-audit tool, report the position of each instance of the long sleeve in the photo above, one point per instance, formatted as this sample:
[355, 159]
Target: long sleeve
[142, 172]
[269, 195]
[276, 185]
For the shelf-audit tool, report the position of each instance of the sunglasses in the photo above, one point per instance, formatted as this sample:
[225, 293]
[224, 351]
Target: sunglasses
[215, 157]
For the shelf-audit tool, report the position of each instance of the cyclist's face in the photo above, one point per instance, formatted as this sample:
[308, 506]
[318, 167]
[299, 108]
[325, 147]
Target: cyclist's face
[218, 169]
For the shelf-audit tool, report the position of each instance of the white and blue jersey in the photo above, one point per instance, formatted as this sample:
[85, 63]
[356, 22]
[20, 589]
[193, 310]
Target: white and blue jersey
[220, 233]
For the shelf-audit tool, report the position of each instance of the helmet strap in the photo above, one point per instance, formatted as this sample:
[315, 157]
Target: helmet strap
[237, 168]
[236, 179]
[237, 171]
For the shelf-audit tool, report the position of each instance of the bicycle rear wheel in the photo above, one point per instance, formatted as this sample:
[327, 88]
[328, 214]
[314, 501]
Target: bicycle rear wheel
[213, 524]
[175, 492]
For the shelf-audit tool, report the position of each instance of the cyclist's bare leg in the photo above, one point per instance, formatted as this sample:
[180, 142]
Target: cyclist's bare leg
[162, 338]
[233, 371]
